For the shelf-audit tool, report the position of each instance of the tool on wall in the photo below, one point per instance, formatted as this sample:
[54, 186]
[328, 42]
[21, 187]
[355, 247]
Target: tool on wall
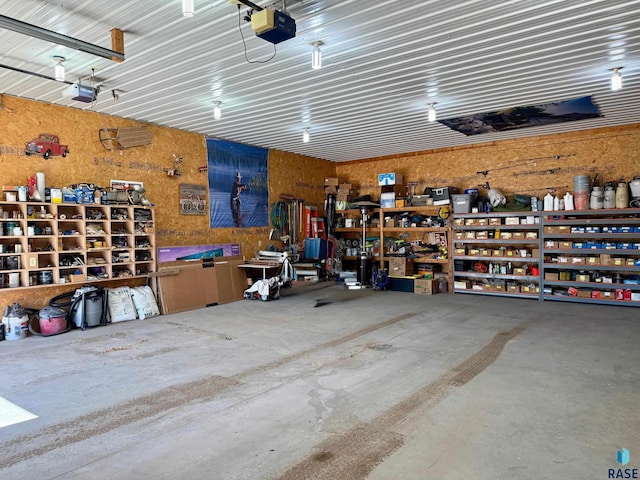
[518, 163]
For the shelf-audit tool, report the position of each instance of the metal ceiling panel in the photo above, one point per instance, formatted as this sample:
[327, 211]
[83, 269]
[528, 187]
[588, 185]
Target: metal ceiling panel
[384, 62]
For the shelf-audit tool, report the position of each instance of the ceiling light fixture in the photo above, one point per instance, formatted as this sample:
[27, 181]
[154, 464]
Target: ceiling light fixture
[316, 55]
[59, 68]
[188, 8]
[431, 115]
[217, 113]
[616, 79]
[305, 135]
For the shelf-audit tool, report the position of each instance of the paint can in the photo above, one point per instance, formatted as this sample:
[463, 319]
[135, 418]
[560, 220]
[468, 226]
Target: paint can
[16, 322]
[45, 277]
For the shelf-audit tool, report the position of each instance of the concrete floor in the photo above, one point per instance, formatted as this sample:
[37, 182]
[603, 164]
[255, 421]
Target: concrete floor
[376, 385]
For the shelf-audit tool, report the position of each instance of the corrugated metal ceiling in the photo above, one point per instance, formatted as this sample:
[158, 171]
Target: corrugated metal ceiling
[383, 63]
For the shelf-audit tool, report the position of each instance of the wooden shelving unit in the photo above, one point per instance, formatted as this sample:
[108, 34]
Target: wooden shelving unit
[48, 244]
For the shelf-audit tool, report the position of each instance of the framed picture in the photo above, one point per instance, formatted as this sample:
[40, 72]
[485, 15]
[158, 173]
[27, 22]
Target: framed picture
[193, 199]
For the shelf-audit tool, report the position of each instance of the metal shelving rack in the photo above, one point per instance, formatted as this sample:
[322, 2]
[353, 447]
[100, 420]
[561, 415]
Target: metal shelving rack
[464, 223]
[628, 218]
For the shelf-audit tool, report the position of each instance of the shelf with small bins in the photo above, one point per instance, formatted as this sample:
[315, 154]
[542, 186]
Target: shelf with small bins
[56, 243]
[497, 253]
[592, 256]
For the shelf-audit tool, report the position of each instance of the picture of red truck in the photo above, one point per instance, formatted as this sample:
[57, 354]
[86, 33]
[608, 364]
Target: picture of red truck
[46, 145]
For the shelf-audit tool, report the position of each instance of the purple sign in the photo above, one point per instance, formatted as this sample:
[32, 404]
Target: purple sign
[197, 252]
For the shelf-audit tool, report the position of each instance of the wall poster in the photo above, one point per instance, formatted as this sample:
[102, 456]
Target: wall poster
[193, 199]
[238, 184]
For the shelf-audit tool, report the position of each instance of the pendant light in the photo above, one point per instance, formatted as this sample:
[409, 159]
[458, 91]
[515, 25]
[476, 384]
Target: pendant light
[188, 8]
[431, 115]
[316, 55]
[305, 135]
[59, 68]
[616, 79]
[217, 112]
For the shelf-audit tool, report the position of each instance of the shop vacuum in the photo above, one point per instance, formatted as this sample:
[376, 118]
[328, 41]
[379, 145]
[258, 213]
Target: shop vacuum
[87, 306]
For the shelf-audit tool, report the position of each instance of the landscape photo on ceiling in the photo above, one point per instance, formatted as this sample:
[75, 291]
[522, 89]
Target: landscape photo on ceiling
[528, 116]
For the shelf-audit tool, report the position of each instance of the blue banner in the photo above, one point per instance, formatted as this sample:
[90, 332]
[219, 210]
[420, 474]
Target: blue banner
[238, 185]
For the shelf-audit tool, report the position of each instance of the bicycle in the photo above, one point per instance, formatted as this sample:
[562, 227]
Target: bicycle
[193, 204]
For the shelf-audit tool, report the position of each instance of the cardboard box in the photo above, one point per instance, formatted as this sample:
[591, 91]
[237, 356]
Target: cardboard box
[400, 266]
[344, 187]
[551, 245]
[425, 286]
[389, 179]
[333, 181]
[330, 190]
[462, 284]
[583, 277]
[32, 260]
[584, 294]
[78, 277]
[518, 235]
[400, 203]
[458, 235]
[519, 271]
[513, 288]
[552, 276]
[482, 235]
[565, 245]
[495, 221]
[487, 287]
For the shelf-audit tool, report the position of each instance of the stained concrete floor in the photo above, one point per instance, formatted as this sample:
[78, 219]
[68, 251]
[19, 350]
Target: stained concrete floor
[375, 385]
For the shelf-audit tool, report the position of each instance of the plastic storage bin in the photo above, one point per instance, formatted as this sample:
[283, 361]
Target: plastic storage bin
[461, 203]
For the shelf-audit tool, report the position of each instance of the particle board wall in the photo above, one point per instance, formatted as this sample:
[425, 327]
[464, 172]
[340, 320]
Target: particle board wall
[23, 119]
[529, 166]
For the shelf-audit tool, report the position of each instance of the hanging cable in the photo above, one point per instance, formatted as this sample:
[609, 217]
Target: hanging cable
[245, 44]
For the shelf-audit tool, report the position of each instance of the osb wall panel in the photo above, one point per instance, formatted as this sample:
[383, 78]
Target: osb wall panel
[88, 162]
[531, 166]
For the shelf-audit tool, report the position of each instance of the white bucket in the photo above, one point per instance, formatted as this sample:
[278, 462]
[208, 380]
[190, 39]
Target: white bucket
[15, 328]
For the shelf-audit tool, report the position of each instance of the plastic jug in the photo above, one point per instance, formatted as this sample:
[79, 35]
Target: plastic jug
[597, 198]
[609, 196]
[622, 194]
[568, 201]
[548, 202]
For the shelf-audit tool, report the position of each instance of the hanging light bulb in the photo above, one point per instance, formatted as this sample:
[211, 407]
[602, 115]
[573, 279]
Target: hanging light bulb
[431, 115]
[305, 135]
[217, 112]
[188, 8]
[316, 55]
[616, 79]
[59, 68]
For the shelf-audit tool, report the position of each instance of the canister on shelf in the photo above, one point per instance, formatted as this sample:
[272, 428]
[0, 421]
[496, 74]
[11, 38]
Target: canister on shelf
[622, 194]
